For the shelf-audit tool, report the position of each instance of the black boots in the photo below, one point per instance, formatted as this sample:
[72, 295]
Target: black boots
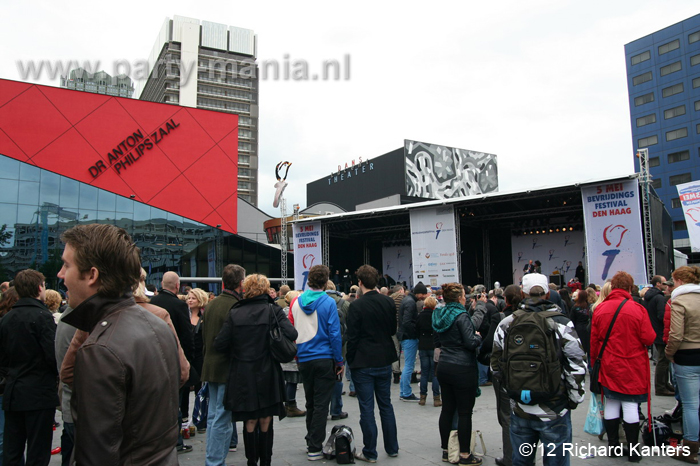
[265, 440]
[250, 440]
[612, 429]
[258, 446]
[632, 434]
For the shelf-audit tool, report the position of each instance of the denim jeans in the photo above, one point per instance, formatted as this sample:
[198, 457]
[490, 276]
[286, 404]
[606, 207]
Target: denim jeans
[219, 426]
[67, 443]
[427, 372]
[337, 399]
[348, 376]
[234, 435]
[410, 348]
[688, 380]
[553, 435]
[371, 382]
[483, 373]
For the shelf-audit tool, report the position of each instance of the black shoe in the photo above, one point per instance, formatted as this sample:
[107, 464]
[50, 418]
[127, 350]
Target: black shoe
[183, 448]
[415, 378]
[342, 415]
[471, 459]
[501, 462]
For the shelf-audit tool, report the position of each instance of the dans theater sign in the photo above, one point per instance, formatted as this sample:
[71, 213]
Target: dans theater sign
[130, 150]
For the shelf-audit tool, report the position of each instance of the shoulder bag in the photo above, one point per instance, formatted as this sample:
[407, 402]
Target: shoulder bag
[595, 371]
[282, 349]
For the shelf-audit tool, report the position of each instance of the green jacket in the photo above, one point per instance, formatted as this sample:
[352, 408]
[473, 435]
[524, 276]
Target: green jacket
[215, 367]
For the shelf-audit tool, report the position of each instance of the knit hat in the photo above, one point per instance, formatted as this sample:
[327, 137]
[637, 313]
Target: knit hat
[420, 288]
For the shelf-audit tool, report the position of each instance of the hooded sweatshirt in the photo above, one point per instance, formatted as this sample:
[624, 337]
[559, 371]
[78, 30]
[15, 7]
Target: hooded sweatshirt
[315, 316]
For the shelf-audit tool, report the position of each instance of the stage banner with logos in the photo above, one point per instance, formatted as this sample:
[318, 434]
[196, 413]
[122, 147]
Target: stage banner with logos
[559, 253]
[434, 246]
[613, 226]
[689, 194]
[307, 251]
[397, 264]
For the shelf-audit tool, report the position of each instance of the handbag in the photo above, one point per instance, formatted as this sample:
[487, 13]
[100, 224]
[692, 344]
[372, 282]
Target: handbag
[201, 407]
[282, 349]
[595, 371]
[453, 445]
[594, 418]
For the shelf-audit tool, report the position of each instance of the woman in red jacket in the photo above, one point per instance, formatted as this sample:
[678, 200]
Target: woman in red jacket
[624, 372]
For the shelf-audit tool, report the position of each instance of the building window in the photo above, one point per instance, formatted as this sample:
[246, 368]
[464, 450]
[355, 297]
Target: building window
[697, 128]
[673, 45]
[646, 120]
[696, 83]
[644, 56]
[679, 156]
[654, 162]
[694, 37]
[676, 134]
[642, 78]
[680, 225]
[676, 203]
[679, 179]
[656, 184]
[695, 60]
[672, 68]
[645, 99]
[674, 112]
[648, 141]
[672, 90]
[697, 105]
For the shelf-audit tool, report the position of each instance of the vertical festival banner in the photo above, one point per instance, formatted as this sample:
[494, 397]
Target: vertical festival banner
[307, 251]
[434, 246]
[689, 194]
[613, 227]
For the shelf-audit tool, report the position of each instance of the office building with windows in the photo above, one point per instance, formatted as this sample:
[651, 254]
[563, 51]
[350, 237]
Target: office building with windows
[663, 79]
[210, 66]
[99, 83]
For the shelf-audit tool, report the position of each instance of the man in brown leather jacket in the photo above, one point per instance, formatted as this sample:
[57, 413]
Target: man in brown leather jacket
[126, 380]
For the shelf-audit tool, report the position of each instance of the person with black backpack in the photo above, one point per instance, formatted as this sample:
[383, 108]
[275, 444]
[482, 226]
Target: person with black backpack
[538, 359]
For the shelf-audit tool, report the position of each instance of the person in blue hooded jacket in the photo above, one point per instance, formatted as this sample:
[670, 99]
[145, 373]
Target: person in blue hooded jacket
[319, 353]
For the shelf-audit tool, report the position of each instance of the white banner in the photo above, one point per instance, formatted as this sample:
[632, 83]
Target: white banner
[434, 246]
[397, 264]
[614, 231]
[307, 252]
[557, 252]
[690, 202]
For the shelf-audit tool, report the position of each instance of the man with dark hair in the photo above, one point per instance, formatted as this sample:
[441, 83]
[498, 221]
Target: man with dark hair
[371, 324]
[655, 303]
[408, 335]
[127, 372]
[319, 352]
[546, 420]
[27, 355]
[215, 366]
[180, 317]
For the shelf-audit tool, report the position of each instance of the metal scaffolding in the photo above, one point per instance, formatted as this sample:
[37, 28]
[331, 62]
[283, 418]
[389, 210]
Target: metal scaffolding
[283, 238]
[645, 184]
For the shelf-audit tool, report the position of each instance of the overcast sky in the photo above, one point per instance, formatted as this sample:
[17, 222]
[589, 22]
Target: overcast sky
[540, 83]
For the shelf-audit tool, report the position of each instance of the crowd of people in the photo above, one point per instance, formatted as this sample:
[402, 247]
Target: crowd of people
[121, 361]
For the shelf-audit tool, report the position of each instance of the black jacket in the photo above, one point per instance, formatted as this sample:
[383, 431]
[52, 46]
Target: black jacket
[655, 302]
[371, 324]
[458, 345]
[180, 315]
[255, 380]
[408, 316]
[424, 327]
[28, 357]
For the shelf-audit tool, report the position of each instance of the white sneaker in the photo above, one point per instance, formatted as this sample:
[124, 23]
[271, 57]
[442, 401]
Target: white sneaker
[314, 455]
[360, 456]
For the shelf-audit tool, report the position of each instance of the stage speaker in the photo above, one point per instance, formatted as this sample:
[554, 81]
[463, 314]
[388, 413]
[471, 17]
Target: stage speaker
[557, 280]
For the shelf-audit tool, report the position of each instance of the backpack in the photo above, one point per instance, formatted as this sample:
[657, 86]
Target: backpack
[340, 445]
[531, 360]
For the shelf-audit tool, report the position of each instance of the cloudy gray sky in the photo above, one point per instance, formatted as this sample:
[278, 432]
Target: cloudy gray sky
[540, 83]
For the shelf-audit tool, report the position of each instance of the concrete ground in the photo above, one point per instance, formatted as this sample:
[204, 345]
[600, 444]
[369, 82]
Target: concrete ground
[419, 439]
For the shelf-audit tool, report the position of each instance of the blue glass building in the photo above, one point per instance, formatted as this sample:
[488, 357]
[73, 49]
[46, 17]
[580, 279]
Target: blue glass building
[663, 79]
